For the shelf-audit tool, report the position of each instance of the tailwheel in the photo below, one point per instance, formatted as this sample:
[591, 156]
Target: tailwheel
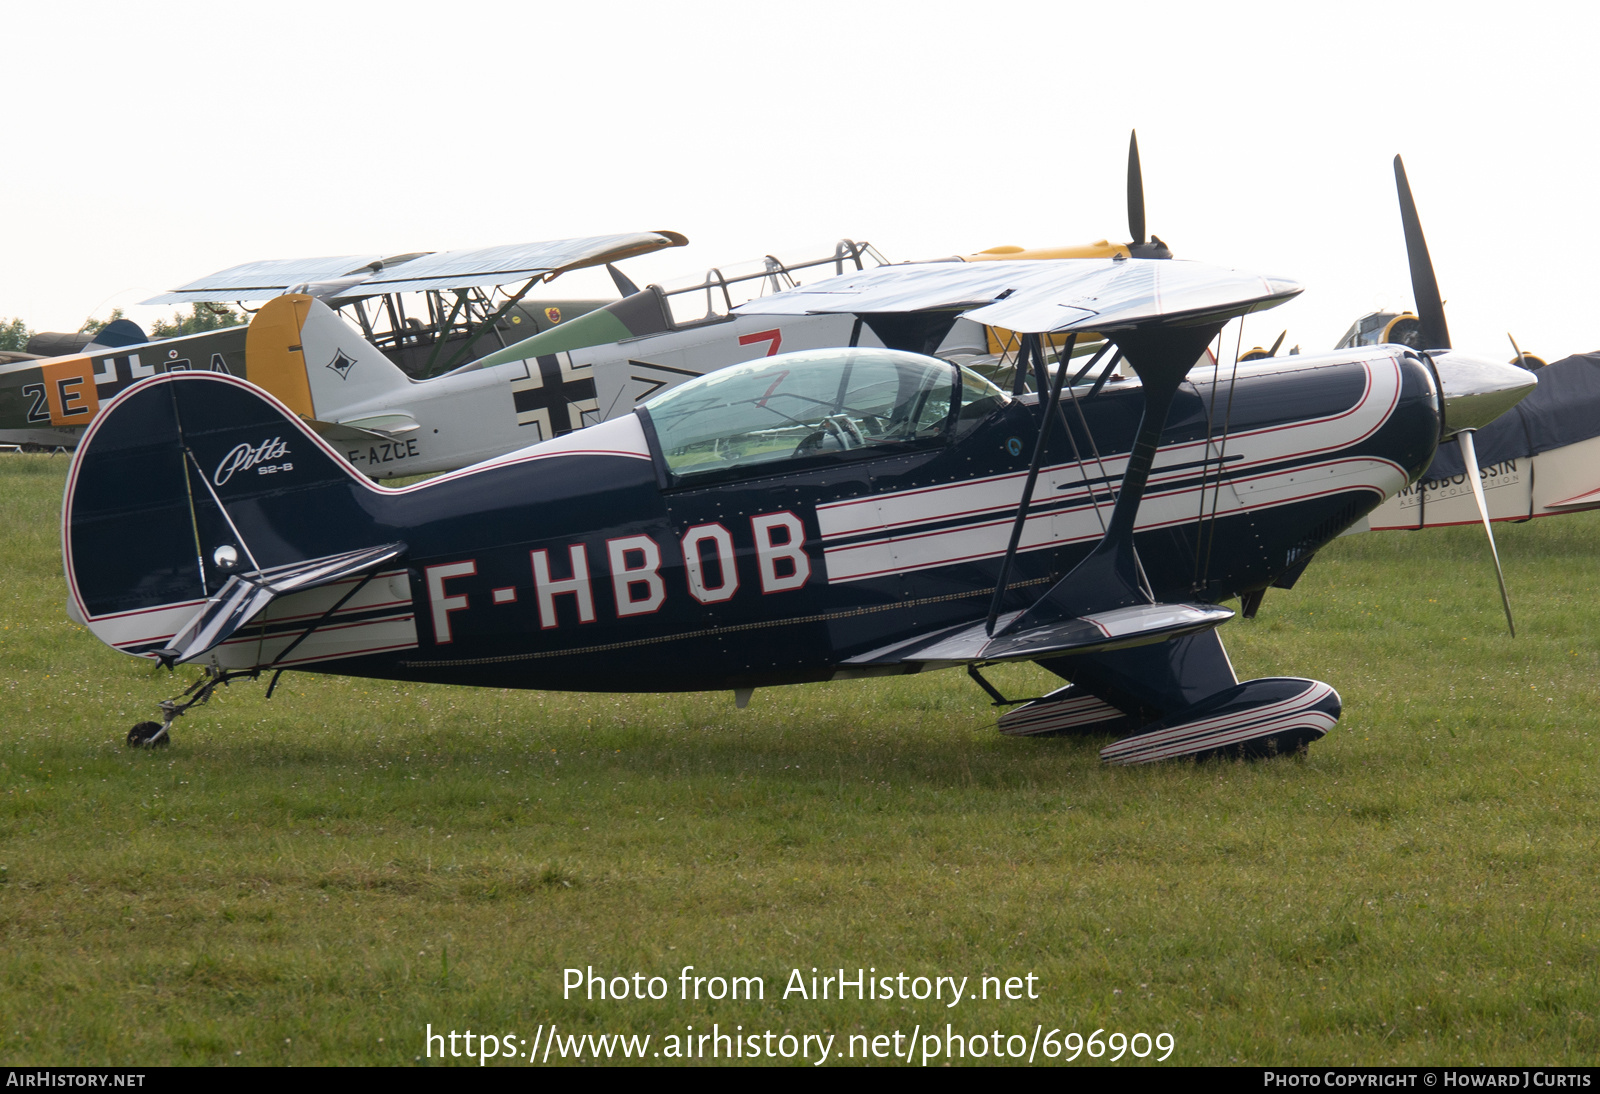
[148, 735]
[155, 735]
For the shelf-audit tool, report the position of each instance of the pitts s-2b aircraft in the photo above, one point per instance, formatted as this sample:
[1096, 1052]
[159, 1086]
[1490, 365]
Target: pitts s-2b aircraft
[803, 517]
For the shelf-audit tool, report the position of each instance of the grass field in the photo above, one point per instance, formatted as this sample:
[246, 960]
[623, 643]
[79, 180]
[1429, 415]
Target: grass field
[316, 878]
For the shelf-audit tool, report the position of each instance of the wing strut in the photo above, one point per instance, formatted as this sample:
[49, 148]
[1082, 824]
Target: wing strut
[1030, 348]
[487, 325]
[444, 330]
[1111, 576]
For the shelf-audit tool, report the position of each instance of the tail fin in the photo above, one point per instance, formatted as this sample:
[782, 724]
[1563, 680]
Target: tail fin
[115, 335]
[314, 362]
[190, 479]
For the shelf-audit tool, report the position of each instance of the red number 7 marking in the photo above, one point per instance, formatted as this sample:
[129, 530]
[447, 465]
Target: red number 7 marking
[773, 336]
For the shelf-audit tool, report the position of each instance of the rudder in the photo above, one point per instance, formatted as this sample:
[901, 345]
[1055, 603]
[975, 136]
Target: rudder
[314, 362]
[175, 470]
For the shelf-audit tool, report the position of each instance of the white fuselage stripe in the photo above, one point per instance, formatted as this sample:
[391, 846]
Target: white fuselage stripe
[1246, 450]
[1056, 528]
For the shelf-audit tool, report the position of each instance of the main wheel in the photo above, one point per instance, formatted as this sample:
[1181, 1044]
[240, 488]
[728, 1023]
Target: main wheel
[139, 736]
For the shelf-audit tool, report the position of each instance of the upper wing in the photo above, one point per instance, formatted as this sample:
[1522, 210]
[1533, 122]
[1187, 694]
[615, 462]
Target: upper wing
[1042, 296]
[264, 280]
[370, 275]
[517, 262]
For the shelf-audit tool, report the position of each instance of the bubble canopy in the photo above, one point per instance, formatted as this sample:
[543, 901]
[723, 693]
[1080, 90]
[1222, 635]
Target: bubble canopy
[816, 403]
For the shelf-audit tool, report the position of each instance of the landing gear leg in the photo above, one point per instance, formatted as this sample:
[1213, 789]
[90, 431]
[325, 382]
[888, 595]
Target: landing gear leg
[157, 735]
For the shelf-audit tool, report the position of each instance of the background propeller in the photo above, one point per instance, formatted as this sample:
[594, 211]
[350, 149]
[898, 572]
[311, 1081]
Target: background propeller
[1138, 246]
[1529, 361]
[1256, 353]
[1435, 336]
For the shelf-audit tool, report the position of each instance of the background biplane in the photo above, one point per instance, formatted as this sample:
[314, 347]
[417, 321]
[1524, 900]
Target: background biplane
[463, 303]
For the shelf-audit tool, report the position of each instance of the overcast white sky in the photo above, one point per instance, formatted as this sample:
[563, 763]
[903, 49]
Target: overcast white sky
[151, 143]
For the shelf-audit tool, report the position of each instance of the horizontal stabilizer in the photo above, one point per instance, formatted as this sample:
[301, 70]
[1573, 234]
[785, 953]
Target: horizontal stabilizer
[1589, 499]
[390, 425]
[244, 596]
[1139, 625]
[382, 427]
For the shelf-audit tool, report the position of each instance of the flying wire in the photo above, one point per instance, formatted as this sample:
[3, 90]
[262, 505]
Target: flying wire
[1205, 453]
[188, 488]
[1077, 456]
[1222, 454]
[1094, 498]
[1094, 448]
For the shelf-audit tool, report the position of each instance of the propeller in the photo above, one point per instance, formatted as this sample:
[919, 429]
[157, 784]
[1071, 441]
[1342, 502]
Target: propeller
[1135, 190]
[1435, 336]
[622, 281]
[1521, 361]
[1469, 456]
[1256, 353]
[1138, 247]
[1525, 360]
[1424, 286]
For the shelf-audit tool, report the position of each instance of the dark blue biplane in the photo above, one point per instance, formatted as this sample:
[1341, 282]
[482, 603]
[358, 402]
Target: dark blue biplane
[804, 517]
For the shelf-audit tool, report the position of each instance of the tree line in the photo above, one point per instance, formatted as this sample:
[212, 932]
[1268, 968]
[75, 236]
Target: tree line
[14, 333]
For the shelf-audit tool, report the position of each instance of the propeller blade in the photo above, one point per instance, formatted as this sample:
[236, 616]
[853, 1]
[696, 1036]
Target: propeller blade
[1521, 363]
[1424, 286]
[1273, 352]
[1469, 457]
[622, 281]
[1135, 190]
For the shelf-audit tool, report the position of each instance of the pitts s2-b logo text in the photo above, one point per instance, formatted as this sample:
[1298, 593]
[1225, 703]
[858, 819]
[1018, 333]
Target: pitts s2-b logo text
[244, 457]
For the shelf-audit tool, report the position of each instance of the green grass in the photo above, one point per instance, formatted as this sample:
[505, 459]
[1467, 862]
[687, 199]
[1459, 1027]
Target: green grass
[316, 878]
